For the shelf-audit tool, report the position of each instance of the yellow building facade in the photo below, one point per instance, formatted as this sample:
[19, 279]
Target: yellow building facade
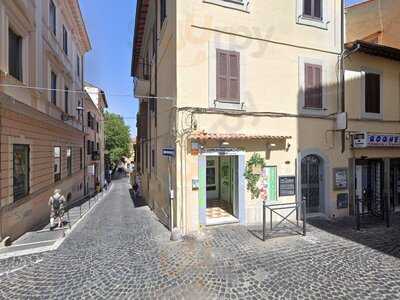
[228, 80]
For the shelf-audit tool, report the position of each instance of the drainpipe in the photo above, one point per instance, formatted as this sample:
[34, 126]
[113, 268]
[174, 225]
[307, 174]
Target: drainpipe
[343, 92]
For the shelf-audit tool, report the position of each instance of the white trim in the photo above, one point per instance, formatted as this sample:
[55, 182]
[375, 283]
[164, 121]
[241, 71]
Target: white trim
[364, 114]
[310, 111]
[221, 44]
[303, 20]
[244, 6]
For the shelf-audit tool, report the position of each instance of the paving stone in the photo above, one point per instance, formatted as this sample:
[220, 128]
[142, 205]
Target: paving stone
[122, 252]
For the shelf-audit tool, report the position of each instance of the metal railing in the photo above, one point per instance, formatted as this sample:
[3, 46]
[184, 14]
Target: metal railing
[276, 209]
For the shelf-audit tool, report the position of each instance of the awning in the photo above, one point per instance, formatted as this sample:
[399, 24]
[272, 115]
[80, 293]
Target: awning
[205, 136]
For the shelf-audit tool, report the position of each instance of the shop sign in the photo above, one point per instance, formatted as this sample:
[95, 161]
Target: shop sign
[364, 140]
[270, 180]
[383, 140]
[287, 186]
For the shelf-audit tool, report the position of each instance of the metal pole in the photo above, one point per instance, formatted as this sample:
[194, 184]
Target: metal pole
[387, 190]
[358, 220]
[264, 217]
[303, 205]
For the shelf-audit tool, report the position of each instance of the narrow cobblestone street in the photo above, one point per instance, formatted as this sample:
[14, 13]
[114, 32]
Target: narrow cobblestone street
[120, 251]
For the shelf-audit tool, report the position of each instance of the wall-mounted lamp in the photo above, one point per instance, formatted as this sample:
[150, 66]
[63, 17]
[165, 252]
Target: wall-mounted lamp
[225, 144]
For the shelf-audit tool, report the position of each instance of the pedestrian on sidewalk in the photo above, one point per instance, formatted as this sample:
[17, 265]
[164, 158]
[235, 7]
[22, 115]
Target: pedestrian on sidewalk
[56, 203]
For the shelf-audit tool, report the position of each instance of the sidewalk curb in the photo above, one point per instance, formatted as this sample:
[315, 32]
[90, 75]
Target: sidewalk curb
[56, 243]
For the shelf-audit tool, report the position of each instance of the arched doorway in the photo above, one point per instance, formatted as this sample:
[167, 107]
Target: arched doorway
[312, 188]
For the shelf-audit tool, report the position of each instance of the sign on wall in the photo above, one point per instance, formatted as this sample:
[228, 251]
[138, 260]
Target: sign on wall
[287, 186]
[270, 178]
[364, 140]
[342, 201]
[340, 178]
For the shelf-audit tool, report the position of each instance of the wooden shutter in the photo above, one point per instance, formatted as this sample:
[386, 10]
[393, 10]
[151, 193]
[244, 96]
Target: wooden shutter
[222, 75]
[372, 93]
[234, 76]
[313, 86]
[228, 75]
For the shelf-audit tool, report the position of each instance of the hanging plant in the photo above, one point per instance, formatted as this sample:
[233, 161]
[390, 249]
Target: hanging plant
[254, 167]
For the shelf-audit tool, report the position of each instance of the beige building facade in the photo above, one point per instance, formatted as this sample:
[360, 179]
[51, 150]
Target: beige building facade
[222, 84]
[42, 50]
[95, 103]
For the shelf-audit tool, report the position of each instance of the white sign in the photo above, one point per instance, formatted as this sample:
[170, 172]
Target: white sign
[168, 152]
[341, 121]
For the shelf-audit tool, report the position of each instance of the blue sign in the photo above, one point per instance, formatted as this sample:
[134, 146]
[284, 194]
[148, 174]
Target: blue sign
[168, 152]
[383, 140]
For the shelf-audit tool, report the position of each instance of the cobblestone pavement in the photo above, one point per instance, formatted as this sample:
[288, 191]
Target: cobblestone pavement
[121, 251]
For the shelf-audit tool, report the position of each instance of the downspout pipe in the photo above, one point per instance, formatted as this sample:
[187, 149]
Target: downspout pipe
[342, 75]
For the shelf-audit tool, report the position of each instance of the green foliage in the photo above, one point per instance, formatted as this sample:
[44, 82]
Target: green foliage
[117, 136]
[252, 179]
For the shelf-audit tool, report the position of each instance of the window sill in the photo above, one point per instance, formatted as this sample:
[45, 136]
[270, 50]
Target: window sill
[229, 104]
[371, 116]
[314, 111]
[232, 5]
[303, 20]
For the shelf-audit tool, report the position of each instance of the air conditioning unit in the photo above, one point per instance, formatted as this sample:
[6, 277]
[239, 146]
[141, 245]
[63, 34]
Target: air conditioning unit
[360, 140]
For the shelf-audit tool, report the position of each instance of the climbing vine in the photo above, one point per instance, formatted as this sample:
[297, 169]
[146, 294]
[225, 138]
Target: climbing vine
[256, 161]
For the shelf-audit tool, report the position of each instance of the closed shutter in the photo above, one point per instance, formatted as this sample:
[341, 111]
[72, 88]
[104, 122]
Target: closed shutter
[228, 75]
[313, 86]
[234, 76]
[372, 93]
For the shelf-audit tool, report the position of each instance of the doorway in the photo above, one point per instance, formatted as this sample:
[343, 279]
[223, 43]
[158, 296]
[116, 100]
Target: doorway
[312, 188]
[370, 186]
[221, 189]
[395, 185]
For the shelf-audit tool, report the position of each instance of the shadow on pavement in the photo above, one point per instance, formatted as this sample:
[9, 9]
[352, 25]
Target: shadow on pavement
[137, 201]
[373, 234]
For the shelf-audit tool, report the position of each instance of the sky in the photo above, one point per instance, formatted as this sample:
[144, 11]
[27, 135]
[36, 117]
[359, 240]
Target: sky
[110, 25]
[108, 64]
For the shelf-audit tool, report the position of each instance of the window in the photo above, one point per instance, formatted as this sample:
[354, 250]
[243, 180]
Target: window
[69, 161]
[92, 147]
[313, 97]
[65, 40]
[98, 147]
[153, 158]
[97, 127]
[89, 148]
[52, 17]
[57, 164]
[235, 4]
[211, 175]
[228, 75]
[66, 100]
[89, 120]
[78, 66]
[53, 88]
[15, 54]
[372, 93]
[20, 171]
[312, 9]
[163, 11]
[154, 38]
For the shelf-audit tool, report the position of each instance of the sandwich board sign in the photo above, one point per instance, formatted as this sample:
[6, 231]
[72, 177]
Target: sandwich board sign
[170, 152]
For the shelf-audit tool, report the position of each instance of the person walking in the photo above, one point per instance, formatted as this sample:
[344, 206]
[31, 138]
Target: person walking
[56, 203]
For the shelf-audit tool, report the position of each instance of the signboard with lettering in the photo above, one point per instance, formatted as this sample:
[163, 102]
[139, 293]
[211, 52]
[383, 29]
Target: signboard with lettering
[340, 178]
[287, 186]
[168, 152]
[364, 140]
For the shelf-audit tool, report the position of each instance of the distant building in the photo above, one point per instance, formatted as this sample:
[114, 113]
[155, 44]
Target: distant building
[132, 149]
[42, 44]
[94, 106]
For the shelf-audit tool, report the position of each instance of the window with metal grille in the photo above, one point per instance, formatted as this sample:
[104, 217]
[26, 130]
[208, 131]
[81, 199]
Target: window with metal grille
[57, 164]
[20, 171]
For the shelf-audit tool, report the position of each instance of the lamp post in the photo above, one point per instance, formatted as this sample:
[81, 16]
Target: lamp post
[80, 110]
